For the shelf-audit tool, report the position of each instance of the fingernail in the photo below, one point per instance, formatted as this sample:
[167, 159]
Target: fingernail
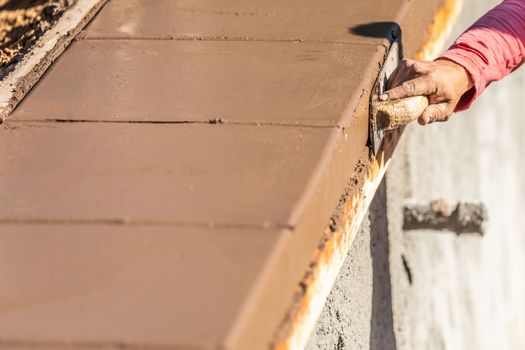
[383, 97]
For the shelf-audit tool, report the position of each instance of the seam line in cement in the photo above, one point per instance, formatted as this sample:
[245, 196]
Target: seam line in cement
[225, 39]
[146, 223]
[218, 121]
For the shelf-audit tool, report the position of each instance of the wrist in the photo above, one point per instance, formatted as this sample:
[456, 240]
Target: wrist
[469, 83]
[465, 79]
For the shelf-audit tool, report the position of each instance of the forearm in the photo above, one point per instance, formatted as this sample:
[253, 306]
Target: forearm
[492, 48]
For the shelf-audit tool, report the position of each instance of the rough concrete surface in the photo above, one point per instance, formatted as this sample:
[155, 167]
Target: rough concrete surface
[448, 291]
[439, 214]
[358, 312]
[345, 318]
[467, 291]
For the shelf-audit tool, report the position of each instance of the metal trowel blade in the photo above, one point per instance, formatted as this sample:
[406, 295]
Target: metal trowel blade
[392, 60]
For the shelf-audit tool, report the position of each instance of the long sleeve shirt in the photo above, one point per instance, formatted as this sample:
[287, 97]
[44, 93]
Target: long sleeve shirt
[491, 48]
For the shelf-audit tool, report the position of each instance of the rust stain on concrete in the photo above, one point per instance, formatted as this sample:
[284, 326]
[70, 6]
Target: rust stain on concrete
[439, 30]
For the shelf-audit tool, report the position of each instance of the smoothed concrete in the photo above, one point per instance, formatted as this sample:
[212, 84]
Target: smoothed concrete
[71, 285]
[181, 81]
[294, 20]
[189, 174]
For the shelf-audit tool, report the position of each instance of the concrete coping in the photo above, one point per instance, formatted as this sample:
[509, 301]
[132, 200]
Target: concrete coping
[280, 310]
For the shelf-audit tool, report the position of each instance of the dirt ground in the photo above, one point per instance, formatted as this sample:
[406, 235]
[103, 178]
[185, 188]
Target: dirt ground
[22, 22]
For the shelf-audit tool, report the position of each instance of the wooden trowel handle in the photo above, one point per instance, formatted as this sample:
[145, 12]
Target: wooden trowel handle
[393, 114]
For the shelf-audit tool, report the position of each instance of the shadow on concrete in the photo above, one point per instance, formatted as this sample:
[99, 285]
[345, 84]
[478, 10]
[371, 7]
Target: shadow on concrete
[386, 30]
[382, 336]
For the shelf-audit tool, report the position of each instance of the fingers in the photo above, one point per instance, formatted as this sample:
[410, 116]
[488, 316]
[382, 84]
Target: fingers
[423, 85]
[407, 69]
[400, 75]
[439, 112]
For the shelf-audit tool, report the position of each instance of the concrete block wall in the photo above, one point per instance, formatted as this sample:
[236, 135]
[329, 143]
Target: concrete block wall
[435, 290]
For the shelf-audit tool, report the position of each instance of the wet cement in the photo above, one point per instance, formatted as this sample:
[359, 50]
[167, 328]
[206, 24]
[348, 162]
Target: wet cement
[251, 20]
[320, 79]
[115, 150]
[136, 283]
[22, 23]
[133, 178]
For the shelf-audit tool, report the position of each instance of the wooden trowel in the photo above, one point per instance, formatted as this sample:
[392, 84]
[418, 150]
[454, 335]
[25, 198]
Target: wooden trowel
[391, 114]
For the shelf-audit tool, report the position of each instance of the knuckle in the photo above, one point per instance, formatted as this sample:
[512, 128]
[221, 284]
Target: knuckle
[444, 113]
[394, 93]
[419, 67]
[406, 65]
[431, 83]
[408, 61]
[409, 86]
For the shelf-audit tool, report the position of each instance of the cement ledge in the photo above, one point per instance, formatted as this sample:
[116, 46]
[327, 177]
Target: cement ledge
[289, 292]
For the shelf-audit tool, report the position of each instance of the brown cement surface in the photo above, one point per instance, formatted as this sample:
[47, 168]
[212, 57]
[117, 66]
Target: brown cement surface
[167, 173]
[358, 21]
[246, 20]
[102, 173]
[201, 81]
[125, 284]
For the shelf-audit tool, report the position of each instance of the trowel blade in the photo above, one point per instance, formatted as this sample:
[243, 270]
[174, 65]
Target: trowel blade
[391, 62]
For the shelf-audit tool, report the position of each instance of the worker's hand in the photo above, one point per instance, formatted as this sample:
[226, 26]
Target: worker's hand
[443, 81]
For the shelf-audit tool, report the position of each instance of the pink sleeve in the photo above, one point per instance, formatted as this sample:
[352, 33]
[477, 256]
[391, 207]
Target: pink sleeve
[492, 48]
